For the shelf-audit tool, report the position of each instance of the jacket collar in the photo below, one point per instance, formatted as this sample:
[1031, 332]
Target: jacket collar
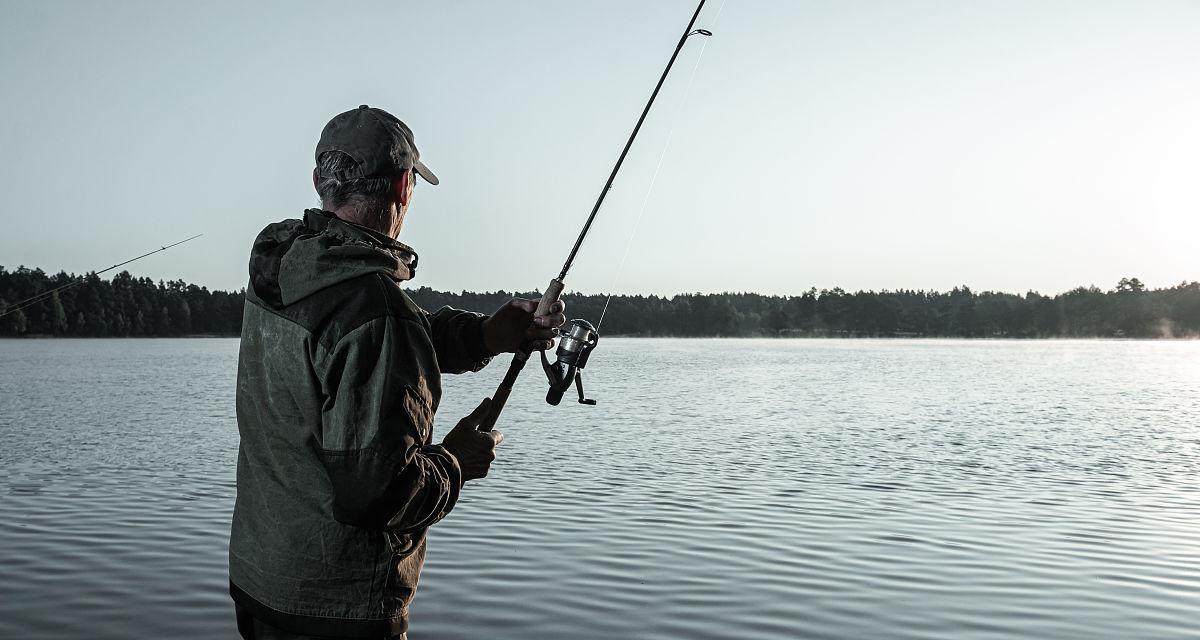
[328, 223]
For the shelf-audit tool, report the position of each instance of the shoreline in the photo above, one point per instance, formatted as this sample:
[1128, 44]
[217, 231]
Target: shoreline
[670, 337]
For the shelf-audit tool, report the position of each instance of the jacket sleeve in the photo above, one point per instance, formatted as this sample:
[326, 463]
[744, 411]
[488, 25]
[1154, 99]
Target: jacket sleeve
[458, 340]
[374, 419]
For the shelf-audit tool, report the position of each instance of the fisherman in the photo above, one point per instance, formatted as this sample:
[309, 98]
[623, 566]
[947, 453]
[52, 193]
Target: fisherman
[338, 476]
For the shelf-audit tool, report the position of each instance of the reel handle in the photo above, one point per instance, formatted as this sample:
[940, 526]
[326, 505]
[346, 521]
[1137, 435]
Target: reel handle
[553, 291]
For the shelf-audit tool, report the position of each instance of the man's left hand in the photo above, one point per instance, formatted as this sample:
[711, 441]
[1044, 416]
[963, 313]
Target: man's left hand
[514, 324]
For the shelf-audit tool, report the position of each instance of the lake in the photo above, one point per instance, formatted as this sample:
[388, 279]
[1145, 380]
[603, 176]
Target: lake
[720, 489]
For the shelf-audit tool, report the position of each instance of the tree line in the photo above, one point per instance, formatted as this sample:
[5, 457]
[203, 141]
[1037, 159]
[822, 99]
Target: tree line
[122, 306]
[128, 306]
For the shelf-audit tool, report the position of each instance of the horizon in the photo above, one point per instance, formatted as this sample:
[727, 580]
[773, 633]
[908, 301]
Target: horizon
[868, 146]
[409, 284]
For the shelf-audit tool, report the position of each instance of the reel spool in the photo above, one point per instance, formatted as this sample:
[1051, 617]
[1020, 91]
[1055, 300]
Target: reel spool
[574, 347]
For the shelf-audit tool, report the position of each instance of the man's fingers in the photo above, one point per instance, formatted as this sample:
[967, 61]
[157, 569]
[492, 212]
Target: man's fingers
[541, 345]
[540, 339]
[482, 409]
[528, 306]
[471, 420]
[555, 307]
[553, 320]
[497, 437]
[541, 334]
[554, 316]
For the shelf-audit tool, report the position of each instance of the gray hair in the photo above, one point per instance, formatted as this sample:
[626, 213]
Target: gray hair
[368, 199]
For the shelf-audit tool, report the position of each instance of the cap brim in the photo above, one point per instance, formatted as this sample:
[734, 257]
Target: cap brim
[424, 172]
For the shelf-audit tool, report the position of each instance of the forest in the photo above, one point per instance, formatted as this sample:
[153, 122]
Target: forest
[129, 306]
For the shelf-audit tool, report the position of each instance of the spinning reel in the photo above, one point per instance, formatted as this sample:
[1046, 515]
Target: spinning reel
[574, 347]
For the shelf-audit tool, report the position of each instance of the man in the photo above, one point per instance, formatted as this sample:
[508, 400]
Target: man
[338, 383]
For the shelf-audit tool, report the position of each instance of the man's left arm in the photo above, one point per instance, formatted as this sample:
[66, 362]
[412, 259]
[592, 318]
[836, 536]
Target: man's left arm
[467, 341]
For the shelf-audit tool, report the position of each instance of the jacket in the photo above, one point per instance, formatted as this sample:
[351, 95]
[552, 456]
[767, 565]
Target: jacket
[338, 383]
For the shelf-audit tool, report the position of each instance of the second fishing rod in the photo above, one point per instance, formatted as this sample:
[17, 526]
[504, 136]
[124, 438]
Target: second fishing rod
[579, 337]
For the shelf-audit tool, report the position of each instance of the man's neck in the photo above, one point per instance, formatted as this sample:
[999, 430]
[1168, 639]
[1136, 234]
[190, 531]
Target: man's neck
[346, 214]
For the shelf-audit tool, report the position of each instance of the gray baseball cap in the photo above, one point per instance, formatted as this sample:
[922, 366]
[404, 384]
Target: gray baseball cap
[378, 141]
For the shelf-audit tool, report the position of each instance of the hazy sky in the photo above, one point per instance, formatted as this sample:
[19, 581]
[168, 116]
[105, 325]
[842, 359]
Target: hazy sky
[1004, 145]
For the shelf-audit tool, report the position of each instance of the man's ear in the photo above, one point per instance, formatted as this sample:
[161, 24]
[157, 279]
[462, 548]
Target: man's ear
[400, 187]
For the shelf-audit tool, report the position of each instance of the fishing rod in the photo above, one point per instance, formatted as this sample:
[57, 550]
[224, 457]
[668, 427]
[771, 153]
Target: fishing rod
[41, 297]
[577, 342]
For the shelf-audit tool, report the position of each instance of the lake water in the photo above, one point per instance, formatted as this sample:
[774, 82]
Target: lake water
[721, 489]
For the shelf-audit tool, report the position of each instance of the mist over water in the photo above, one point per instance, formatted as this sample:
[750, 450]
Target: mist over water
[721, 489]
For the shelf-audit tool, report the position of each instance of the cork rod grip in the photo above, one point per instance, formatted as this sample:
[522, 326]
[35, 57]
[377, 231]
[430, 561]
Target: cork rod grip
[553, 291]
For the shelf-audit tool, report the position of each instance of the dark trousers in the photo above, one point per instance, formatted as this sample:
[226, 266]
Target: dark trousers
[252, 628]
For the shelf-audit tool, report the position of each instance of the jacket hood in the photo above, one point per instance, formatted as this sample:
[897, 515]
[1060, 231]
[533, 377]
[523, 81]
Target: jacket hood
[294, 259]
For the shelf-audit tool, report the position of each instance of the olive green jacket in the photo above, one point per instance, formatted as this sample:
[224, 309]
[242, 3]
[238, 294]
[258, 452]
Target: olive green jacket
[338, 383]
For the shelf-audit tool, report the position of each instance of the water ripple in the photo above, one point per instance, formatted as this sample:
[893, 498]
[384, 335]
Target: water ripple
[721, 489]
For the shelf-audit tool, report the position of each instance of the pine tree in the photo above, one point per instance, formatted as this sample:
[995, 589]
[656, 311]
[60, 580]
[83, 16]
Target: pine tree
[58, 321]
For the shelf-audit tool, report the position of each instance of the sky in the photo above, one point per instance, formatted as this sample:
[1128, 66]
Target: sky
[1010, 145]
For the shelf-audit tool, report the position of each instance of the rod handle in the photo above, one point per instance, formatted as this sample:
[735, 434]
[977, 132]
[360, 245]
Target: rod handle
[504, 390]
[553, 291]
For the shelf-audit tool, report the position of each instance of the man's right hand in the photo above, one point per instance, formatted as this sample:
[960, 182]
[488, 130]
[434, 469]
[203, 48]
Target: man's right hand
[474, 449]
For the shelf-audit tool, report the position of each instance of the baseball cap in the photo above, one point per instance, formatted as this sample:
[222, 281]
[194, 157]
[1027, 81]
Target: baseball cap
[378, 141]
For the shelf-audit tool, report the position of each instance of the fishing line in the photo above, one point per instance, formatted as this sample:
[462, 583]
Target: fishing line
[578, 341]
[654, 177]
[41, 297]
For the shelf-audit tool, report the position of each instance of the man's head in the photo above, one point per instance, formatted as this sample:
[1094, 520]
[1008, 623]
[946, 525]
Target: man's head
[367, 165]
